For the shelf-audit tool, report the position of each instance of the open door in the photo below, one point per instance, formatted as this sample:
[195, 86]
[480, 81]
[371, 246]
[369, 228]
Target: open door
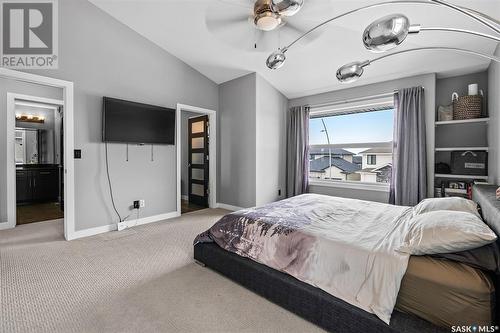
[198, 161]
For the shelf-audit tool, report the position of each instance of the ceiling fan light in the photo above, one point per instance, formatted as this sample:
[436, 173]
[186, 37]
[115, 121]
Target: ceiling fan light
[267, 21]
[351, 72]
[276, 59]
[386, 33]
[286, 7]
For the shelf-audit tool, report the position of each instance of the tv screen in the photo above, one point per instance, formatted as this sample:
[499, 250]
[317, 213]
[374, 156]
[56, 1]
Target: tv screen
[130, 122]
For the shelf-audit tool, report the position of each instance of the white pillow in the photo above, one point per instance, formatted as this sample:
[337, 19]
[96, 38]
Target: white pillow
[445, 231]
[452, 203]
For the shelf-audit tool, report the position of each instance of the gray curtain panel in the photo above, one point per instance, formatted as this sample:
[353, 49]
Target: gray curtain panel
[297, 152]
[409, 171]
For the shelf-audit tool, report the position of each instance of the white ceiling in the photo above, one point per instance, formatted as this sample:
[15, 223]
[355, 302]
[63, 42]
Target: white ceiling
[188, 29]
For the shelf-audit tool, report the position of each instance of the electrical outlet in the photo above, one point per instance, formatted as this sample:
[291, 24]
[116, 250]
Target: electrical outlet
[122, 226]
[142, 203]
[137, 204]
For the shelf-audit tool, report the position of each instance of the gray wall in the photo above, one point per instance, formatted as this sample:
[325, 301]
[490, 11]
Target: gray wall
[237, 143]
[20, 88]
[103, 57]
[185, 115]
[369, 195]
[494, 129]
[428, 81]
[271, 141]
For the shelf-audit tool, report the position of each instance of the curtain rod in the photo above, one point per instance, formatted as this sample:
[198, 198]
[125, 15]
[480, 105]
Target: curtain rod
[359, 99]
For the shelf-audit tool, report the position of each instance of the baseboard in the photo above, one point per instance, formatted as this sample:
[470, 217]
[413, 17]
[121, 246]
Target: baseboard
[185, 197]
[5, 225]
[130, 224]
[228, 207]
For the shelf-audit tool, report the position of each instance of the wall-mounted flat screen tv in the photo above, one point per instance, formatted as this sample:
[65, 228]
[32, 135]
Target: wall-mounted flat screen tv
[130, 122]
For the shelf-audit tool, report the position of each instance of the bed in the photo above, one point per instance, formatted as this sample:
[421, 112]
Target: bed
[312, 298]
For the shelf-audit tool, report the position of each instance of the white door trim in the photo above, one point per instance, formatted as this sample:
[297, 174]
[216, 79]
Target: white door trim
[212, 151]
[68, 128]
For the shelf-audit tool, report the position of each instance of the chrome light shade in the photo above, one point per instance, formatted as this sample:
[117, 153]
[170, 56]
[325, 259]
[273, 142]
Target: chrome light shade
[386, 33]
[286, 7]
[276, 59]
[351, 72]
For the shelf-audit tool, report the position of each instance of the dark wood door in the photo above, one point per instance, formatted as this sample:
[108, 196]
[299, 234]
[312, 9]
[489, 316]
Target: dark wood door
[198, 161]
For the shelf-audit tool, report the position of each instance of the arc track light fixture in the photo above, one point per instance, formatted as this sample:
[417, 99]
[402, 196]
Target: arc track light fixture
[353, 71]
[390, 31]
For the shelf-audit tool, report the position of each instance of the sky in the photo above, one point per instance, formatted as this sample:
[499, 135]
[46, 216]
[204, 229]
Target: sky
[374, 126]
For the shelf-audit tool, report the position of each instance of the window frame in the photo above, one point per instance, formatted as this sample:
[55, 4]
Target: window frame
[342, 108]
[369, 161]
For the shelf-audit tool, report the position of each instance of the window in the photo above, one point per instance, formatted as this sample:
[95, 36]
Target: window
[371, 159]
[355, 146]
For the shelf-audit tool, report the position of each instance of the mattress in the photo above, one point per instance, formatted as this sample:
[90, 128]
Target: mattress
[446, 293]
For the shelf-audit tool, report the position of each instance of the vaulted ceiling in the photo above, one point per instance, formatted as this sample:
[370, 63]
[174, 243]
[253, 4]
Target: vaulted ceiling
[216, 38]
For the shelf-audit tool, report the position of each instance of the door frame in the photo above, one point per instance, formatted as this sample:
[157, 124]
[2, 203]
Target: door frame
[212, 151]
[68, 128]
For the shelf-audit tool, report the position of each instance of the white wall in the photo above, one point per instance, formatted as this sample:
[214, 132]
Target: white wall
[271, 139]
[494, 125]
[103, 57]
[428, 81]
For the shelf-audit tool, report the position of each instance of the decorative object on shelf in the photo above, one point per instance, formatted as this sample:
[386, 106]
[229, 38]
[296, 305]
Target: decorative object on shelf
[498, 193]
[467, 107]
[445, 112]
[469, 163]
[473, 89]
[442, 168]
[30, 118]
[390, 31]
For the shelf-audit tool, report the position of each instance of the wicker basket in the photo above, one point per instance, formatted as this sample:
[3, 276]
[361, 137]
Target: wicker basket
[467, 107]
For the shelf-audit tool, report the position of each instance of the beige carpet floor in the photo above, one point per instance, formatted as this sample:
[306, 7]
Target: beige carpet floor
[138, 280]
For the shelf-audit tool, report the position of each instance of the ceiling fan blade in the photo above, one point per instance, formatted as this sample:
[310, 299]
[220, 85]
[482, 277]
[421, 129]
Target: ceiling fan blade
[226, 23]
[239, 3]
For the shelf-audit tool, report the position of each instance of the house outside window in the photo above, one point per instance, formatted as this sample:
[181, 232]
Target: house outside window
[353, 145]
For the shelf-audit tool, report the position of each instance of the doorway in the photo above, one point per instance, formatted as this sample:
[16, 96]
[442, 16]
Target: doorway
[196, 159]
[38, 158]
[27, 82]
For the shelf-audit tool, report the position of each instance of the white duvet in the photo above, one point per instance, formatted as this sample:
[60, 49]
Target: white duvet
[344, 246]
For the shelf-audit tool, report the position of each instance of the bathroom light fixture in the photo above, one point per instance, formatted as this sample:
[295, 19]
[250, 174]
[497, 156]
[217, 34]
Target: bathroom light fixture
[487, 21]
[353, 71]
[389, 31]
[28, 118]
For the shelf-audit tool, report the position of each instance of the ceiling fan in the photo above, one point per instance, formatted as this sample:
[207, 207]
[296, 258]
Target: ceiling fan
[269, 14]
[258, 24]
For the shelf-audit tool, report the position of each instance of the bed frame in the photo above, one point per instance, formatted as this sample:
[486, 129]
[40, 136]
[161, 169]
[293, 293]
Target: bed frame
[314, 304]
